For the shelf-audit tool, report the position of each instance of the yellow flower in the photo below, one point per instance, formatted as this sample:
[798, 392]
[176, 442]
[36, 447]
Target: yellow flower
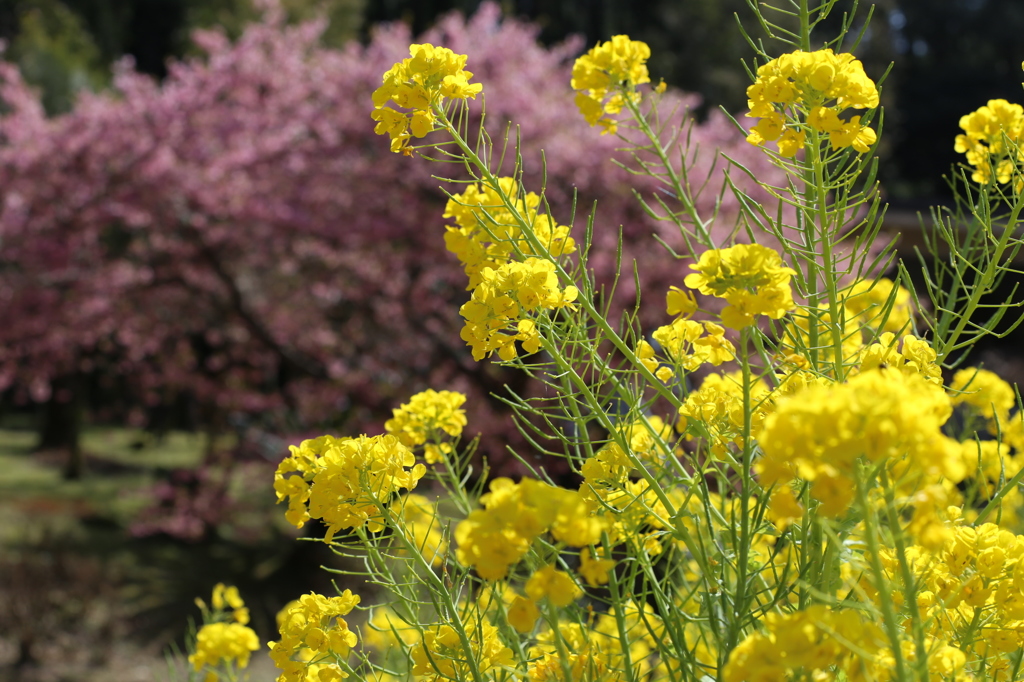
[679, 302]
[558, 586]
[344, 480]
[421, 82]
[991, 135]
[312, 627]
[426, 414]
[487, 233]
[819, 433]
[223, 642]
[750, 277]
[608, 74]
[804, 90]
[494, 315]
[523, 615]
[594, 571]
[985, 391]
[442, 655]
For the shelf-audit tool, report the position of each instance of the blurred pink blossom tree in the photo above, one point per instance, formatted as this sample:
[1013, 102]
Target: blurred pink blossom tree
[238, 235]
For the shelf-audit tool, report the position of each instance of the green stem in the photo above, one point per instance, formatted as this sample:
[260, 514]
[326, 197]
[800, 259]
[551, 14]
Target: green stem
[892, 628]
[979, 289]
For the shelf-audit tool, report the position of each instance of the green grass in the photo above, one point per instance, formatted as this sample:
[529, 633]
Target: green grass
[35, 499]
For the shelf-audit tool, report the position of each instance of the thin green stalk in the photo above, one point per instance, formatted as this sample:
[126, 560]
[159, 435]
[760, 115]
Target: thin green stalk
[892, 629]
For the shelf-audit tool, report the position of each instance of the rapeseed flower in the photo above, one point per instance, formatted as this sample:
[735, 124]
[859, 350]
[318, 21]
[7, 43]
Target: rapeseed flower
[343, 481]
[991, 140]
[488, 233]
[420, 83]
[804, 91]
[819, 434]
[423, 420]
[750, 277]
[312, 628]
[442, 656]
[495, 314]
[218, 643]
[606, 76]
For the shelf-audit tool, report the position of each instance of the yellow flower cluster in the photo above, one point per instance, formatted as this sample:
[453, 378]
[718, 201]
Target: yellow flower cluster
[809, 644]
[687, 344]
[494, 315]
[970, 590]
[487, 234]
[985, 392]
[820, 433]
[683, 341]
[420, 83]
[991, 140]
[425, 417]
[715, 411]
[865, 301]
[804, 91]
[558, 586]
[608, 74]
[226, 596]
[912, 356]
[343, 481]
[514, 515]
[217, 643]
[750, 277]
[313, 633]
[442, 656]
[221, 641]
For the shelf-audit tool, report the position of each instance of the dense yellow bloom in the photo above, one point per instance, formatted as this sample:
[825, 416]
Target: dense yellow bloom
[986, 392]
[488, 233]
[866, 300]
[442, 655]
[223, 642]
[750, 277]
[715, 410]
[425, 417]
[991, 139]
[912, 356]
[420, 83]
[804, 91]
[312, 628]
[819, 434]
[344, 480]
[514, 515]
[970, 590]
[594, 571]
[689, 344]
[558, 586]
[814, 641]
[495, 315]
[604, 77]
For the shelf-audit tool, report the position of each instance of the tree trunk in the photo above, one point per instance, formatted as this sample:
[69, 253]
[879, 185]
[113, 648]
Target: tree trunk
[60, 425]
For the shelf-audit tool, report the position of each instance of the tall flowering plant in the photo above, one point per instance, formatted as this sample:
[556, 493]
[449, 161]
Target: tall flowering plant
[784, 480]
